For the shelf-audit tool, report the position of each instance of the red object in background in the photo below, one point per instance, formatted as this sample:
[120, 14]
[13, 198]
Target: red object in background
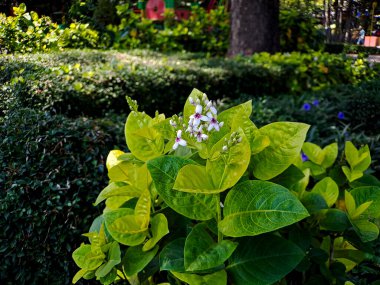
[155, 10]
[182, 14]
[211, 5]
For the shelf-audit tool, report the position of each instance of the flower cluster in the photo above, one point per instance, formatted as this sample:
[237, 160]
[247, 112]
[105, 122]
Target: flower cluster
[201, 123]
[235, 138]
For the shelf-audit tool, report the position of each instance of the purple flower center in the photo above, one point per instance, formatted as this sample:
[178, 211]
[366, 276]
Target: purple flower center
[197, 116]
[213, 121]
[177, 139]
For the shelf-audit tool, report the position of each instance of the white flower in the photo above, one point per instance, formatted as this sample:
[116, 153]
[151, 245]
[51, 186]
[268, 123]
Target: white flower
[173, 124]
[211, 107]
[224, 148]
[201, 136]
[191, 100]
[179, 140]
[213, 123]
[198, 117]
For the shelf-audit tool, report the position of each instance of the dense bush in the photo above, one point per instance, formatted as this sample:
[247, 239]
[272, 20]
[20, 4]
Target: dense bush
[335, 114]
[27, 32]
[81, 36]
[82, 82]
[51, 168]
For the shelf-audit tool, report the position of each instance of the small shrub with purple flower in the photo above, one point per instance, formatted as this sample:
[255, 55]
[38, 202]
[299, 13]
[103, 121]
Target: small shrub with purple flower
[208, 198]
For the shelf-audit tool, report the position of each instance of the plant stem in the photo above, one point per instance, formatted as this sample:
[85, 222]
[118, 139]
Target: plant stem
[219, 218]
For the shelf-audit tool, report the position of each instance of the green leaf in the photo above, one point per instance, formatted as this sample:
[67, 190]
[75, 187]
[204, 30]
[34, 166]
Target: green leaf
[366, 194]
[117, 189]
[359, 160]
[226, 168]
[143, 140]
[259, 143]
[350, 203]
[331, 153]
[142, 210]
[202, 252]
[120, 169]
[159, 229]
[366, 230]
[113, 259]
[86, 259]
[172, 256]
[333, 220]
[313, 152]
[286, 141]
[313, 202]
[217, 278]
[351, 175]
[328, 189]
[263, 260]
[164, 171]
[239, 117]
[289, 177]
[79, 275]
[255, 207]
[136, 259]
[109, 278]
[122, 226]
[194, 179]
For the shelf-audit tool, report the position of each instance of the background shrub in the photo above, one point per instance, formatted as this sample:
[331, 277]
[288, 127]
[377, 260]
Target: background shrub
[90, 83]
[51, 171]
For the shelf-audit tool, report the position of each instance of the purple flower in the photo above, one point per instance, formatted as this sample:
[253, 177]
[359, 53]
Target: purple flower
[304, 157]
[316, 102]
[306, 107]
[179, 140]
[340, 115]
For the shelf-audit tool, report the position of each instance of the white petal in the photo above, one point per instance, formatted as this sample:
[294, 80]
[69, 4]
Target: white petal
[175, 145]
[221, 124]
[182, 142]
[191, 117]
[204, 137]
[196, 122]
[198, 109]
[199, 139]
[191, 100]
[210, 127]
[216, 127]
[205, 118]
[210, 115]
[179, 133]
[213, 110]
[209, 105]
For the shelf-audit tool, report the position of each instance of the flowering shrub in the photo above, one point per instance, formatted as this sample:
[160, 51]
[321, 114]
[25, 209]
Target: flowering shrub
[209, 198]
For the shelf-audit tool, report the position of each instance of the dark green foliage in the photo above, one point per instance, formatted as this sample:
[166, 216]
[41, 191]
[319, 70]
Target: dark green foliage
[359, 105]
[91, 83]
[299, 31]
[52, 169]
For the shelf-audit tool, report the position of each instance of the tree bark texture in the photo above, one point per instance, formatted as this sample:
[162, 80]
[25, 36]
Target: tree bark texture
[254, 26]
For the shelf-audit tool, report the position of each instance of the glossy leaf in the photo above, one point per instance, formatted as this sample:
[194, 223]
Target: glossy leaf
[366, 194]
[226, 168]
[333, 220]
[136, 259]
[366, 230]
[79, 275]
[117, 189]
[142, 210]
[202, 252]
[143, 140]
[328, 189]
[159, 229]
[286, 141]
[164, 171]
[255, 207]
[172, 256]
[86, 259]
[122, 226]
[217, 278]
[113, 259]
[194, 179]
[263, 260]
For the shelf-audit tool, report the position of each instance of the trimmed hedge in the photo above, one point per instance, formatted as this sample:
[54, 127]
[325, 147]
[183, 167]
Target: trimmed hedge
[51, 170]
[94, 82]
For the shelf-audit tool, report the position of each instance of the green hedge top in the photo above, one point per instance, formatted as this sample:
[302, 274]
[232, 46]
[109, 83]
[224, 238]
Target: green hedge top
[93, 82]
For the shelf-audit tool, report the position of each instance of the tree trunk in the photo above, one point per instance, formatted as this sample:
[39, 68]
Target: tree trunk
[348, 28]
[254, 26]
